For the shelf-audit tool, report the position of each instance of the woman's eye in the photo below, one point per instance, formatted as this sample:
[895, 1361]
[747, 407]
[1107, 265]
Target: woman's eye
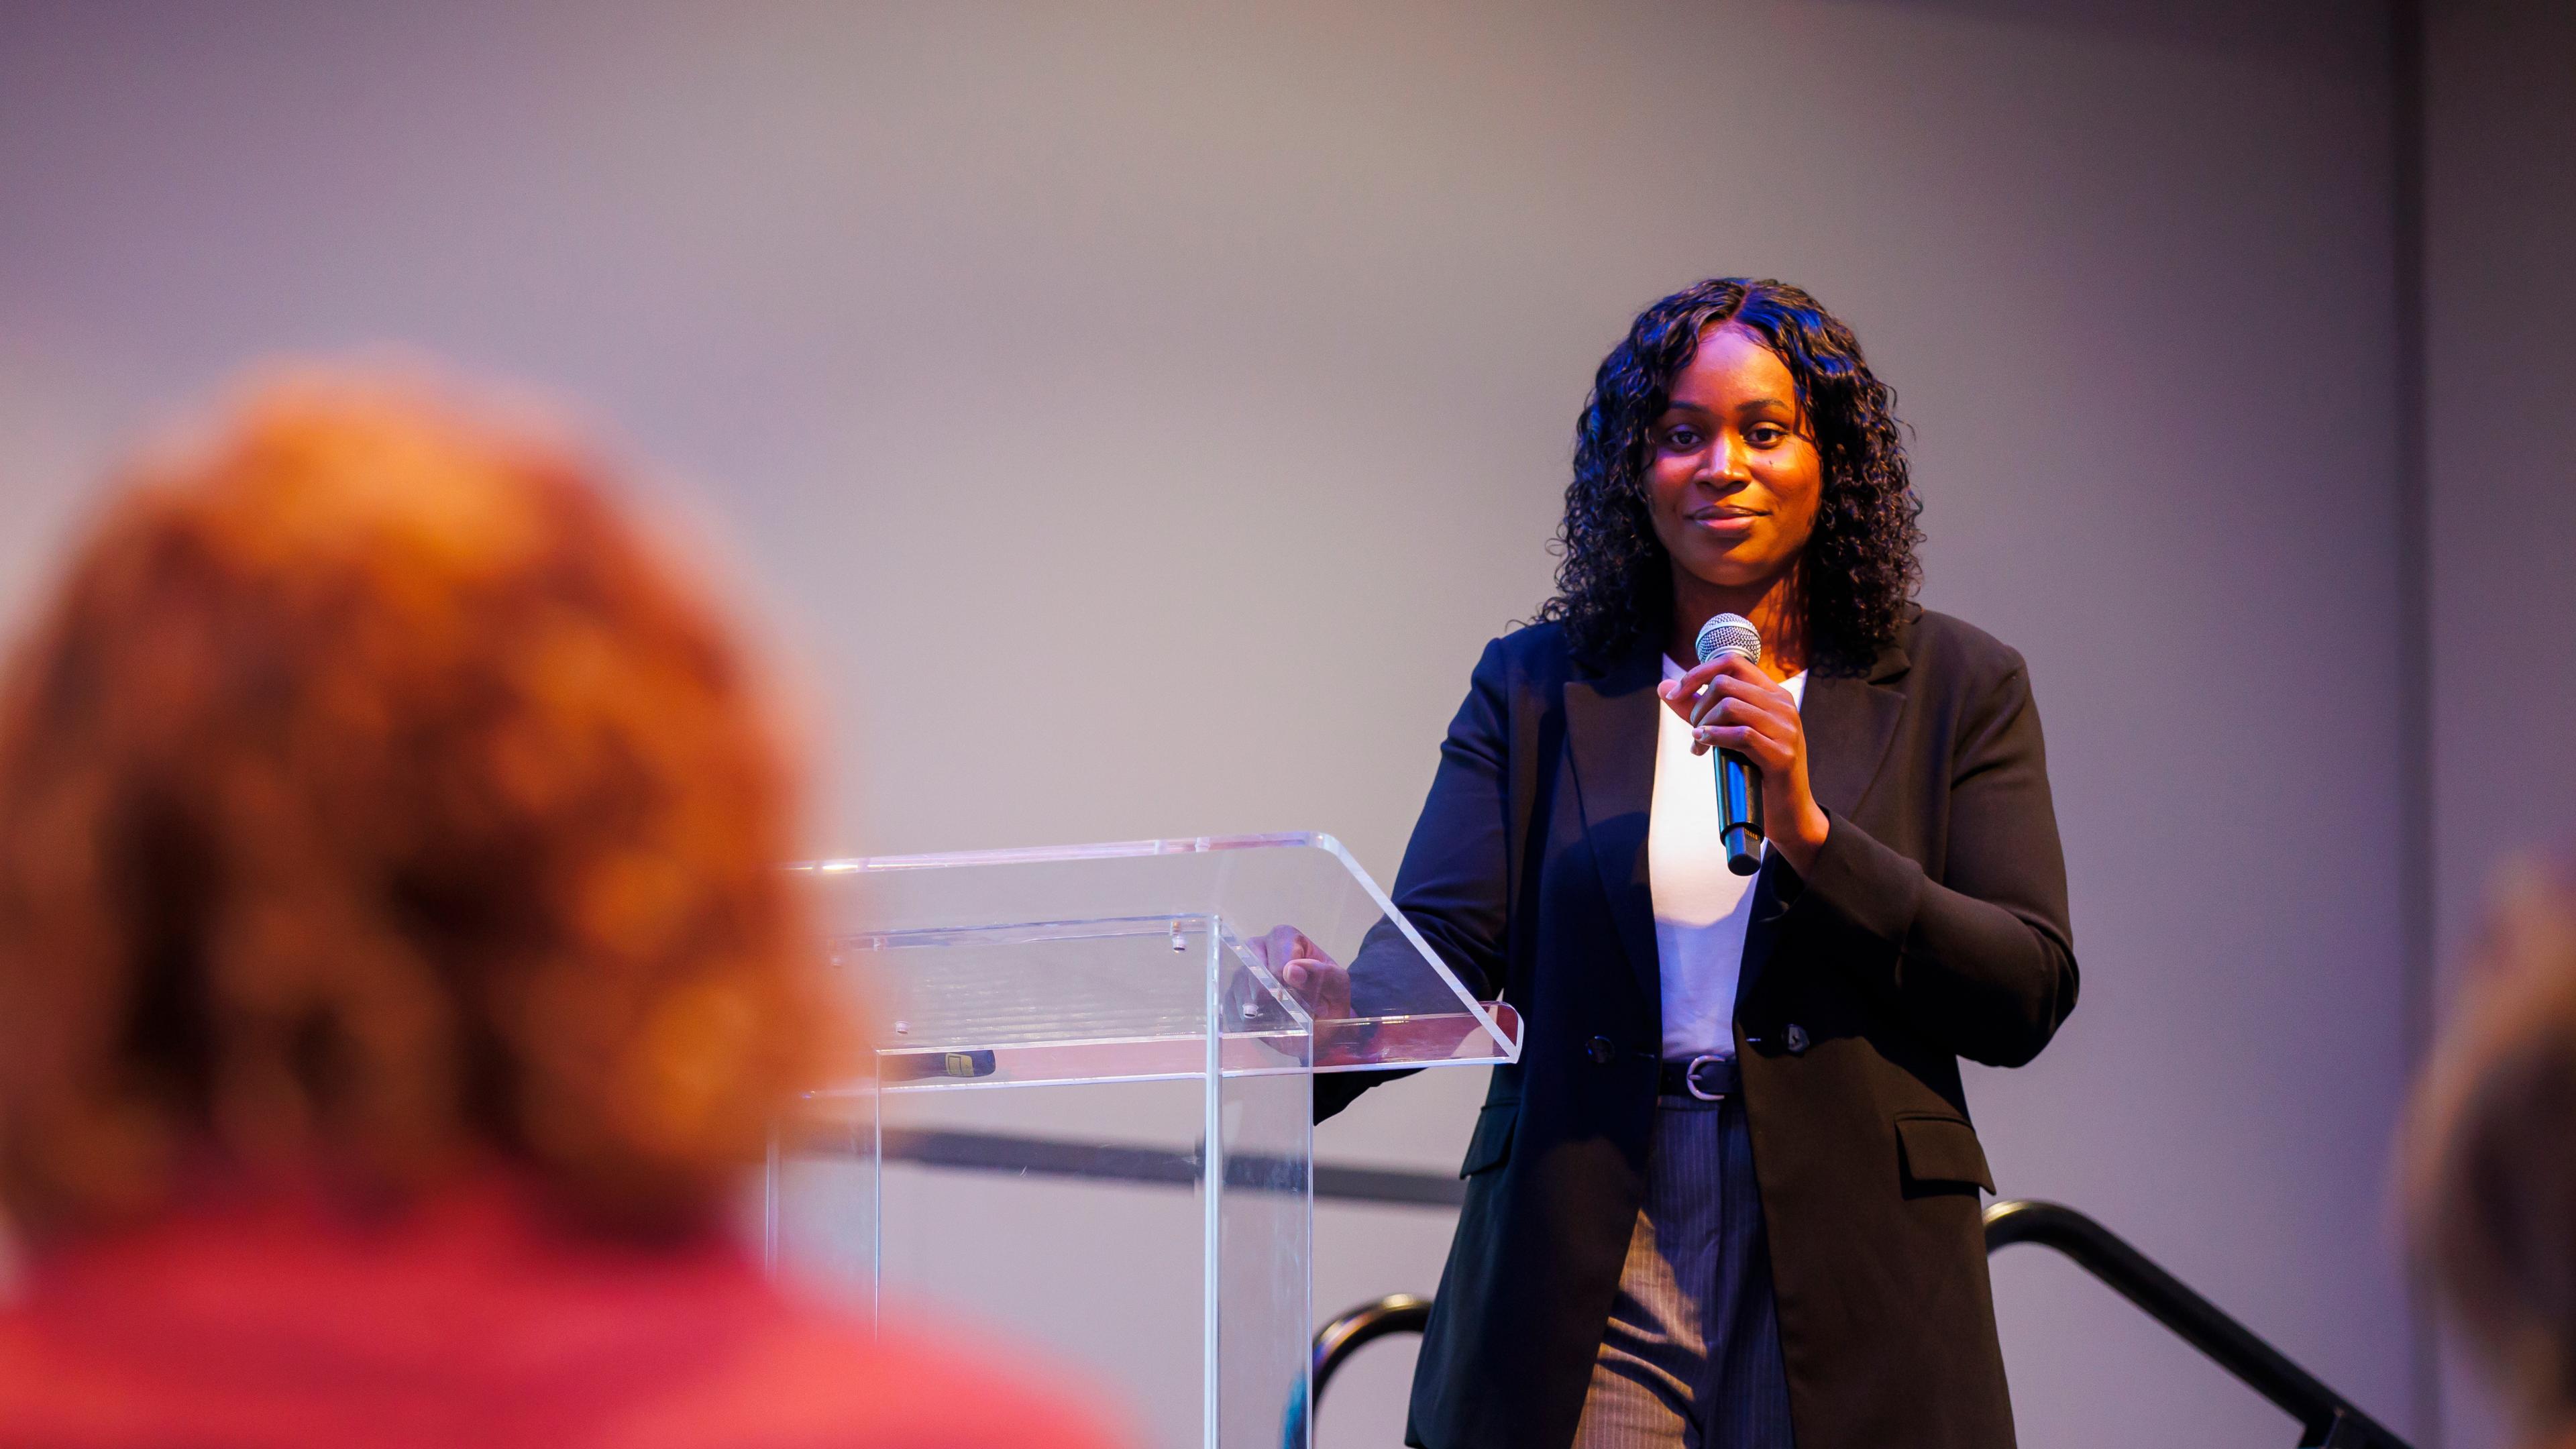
[1680, 440]
[1765, 435]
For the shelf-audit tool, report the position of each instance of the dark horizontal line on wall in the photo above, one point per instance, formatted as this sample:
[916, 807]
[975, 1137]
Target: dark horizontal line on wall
[1056, 1157]
[1389, 1185]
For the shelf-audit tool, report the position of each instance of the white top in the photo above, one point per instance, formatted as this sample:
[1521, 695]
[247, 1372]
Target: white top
[1700, 906]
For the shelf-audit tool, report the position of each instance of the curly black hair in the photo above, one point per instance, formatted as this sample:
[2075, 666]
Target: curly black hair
[1614, 578]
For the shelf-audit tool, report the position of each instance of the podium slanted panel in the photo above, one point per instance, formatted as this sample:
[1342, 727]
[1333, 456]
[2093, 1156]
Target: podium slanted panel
[1084, 1122]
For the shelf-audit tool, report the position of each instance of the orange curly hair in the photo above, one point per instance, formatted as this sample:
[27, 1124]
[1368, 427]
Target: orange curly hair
[373, 799]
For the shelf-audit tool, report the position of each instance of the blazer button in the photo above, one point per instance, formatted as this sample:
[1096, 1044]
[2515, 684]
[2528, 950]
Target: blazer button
[1601, 1050]
[1796, 1038]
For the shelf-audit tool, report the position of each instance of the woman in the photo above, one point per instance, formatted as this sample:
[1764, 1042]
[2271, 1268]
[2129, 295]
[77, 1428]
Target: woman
[396, 974]
[1728, 1196]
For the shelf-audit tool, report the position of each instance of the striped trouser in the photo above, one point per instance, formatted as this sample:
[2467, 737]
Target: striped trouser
[1691, 1355]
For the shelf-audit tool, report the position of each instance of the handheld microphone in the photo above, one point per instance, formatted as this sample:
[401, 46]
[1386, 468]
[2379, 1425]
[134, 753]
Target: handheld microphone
[1739, 780]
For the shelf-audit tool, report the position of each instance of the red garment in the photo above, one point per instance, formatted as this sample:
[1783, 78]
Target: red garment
[469, 1320]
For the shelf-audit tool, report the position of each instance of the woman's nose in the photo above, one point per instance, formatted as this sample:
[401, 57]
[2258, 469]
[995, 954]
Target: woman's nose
[1726, 463]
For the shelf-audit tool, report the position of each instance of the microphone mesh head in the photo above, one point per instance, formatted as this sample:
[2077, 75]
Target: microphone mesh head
[1730, 634]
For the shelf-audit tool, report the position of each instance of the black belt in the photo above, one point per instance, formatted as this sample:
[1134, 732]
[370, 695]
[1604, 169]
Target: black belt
[1707, 1078]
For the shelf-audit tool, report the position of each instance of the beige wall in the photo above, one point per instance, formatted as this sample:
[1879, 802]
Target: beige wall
[1137, 416]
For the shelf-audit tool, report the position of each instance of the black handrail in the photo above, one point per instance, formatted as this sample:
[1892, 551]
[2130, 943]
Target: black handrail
[2327, 1420]
[1336, 1341]
[1347, 1334]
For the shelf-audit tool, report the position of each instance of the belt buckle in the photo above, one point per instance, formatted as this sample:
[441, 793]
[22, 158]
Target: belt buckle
[1690, 1078]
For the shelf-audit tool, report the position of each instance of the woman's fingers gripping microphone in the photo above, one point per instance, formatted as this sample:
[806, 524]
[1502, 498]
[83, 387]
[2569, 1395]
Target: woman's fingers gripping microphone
[1746, 715]
[1750, 741]
[1689, 695]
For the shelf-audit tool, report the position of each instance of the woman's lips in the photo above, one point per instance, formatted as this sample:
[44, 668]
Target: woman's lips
[1731, 525]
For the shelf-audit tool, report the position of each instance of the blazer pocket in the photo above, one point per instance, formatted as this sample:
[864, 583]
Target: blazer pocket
[1491, 1147]
[1941, 1151]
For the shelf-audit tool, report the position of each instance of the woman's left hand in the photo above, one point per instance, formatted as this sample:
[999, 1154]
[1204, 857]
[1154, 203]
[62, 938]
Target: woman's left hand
[1753, 716]
[1321, 984]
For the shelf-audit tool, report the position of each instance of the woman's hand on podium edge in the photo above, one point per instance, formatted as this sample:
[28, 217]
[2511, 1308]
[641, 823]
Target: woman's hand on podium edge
[1321, 984]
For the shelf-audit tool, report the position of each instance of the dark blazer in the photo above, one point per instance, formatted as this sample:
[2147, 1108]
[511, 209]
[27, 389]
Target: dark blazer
[1933, 928]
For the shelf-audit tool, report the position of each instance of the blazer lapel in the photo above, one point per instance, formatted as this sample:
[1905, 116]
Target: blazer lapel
[1850, 720]
[1610, 733]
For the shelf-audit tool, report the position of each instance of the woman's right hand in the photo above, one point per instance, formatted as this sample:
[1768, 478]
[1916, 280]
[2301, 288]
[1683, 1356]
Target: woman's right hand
[1732, 705]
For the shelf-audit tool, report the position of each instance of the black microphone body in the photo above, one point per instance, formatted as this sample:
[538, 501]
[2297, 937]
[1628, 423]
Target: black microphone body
[1739, 780]
[1739, 811]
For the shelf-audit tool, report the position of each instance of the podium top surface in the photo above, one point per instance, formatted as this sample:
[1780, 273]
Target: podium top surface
[1142, 959]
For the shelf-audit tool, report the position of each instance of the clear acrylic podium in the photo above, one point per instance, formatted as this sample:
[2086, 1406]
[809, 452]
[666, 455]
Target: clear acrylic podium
[1087, 1130]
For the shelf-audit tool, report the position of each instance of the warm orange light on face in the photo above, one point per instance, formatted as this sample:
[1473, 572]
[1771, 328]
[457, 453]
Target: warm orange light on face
[1733, 477]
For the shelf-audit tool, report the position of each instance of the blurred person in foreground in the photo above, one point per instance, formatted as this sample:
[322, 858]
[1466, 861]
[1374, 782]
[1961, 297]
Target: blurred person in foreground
[397, 972]
[2491, 1155]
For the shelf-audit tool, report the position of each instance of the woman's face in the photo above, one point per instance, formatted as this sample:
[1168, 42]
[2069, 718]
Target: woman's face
[1732, 473]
